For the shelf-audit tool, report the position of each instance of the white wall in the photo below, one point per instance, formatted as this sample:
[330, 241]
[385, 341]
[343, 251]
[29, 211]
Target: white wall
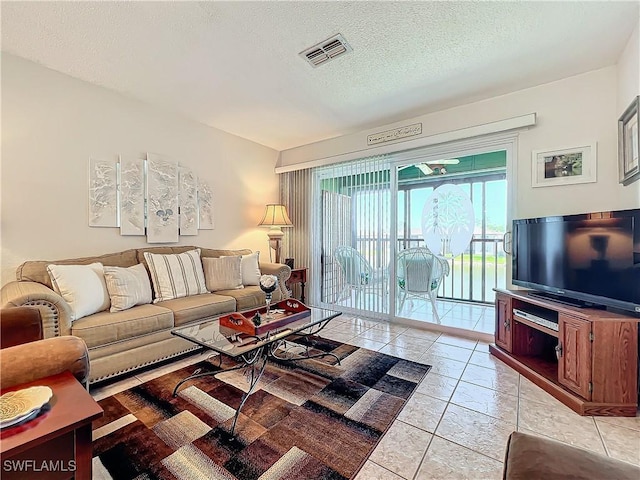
[629, 72]
[52, 124]
[570, 112]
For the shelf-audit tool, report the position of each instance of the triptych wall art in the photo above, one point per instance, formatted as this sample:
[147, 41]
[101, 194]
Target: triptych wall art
[103, 193]
[132, 179]
[157, 197]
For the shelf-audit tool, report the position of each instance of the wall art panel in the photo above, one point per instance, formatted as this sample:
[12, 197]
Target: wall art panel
[188, 202]
[103, 193]
[162, 199]
[132, 184]
[205, 206]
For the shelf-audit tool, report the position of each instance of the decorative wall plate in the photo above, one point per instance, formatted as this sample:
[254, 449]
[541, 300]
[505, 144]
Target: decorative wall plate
[20, 405]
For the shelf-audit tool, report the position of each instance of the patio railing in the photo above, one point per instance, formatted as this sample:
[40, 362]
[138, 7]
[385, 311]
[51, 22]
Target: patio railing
[474, 274]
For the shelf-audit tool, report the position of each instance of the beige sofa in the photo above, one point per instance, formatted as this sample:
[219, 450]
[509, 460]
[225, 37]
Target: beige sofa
[127, 340]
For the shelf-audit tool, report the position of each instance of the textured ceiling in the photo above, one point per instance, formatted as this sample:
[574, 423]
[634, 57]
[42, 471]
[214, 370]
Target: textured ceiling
[235, 65]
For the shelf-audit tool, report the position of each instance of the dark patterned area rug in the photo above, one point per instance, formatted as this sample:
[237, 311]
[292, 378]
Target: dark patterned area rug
[310, 420]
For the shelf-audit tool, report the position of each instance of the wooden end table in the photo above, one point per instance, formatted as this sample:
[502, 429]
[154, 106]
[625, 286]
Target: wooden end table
[298, 276]
[57, 443]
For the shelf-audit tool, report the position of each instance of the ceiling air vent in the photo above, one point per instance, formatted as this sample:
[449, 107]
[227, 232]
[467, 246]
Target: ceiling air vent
[327, 50]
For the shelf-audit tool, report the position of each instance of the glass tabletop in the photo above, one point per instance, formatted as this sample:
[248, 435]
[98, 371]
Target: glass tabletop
[221, 339]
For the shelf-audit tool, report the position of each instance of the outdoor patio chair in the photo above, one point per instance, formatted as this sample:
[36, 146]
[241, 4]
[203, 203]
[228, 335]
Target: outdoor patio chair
[420, 274]
[358, 275]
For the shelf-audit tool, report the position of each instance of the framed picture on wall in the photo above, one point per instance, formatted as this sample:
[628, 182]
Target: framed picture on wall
[563, 166]
[629, 143]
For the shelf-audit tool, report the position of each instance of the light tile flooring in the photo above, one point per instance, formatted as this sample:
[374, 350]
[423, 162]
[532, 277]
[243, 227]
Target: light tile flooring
[473, 317]
[457, 423]
[468, 316]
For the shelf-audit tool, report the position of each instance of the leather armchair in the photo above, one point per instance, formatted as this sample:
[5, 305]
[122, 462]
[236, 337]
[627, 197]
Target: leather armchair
[19, 325]
[25, 356]
[529, 457]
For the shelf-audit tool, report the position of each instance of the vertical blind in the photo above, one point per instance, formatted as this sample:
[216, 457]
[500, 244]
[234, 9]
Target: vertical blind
[296, 193]
[341, 217]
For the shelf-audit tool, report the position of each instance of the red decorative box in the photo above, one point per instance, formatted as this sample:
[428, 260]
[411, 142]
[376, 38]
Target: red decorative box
[241, 321]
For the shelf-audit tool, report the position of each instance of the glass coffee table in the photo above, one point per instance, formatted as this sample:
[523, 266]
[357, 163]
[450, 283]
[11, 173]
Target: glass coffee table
[252, 352]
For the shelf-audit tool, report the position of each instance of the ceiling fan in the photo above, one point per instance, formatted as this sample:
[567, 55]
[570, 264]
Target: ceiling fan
[430, 167]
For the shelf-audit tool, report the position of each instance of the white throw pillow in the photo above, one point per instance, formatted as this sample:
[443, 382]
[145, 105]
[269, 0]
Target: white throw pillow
[222, 273]
[81, 286]
[127, 287]
[250, 267]
[176, 275]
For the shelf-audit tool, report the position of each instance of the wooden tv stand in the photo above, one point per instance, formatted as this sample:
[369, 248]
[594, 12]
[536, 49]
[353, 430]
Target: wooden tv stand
[590, 363]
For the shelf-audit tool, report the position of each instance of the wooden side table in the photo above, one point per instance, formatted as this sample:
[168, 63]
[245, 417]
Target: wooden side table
[58, 439]
[298, 276]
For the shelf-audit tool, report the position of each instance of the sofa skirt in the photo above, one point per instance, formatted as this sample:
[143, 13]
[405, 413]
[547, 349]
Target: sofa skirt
[123, 357]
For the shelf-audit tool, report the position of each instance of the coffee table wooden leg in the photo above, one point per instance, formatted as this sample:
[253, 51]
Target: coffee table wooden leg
[84, 453]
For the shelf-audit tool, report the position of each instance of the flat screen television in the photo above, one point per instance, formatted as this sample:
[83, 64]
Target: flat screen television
[591, 259]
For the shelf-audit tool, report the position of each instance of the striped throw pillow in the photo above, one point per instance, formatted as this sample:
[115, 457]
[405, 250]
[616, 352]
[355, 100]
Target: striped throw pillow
[127, 287]
[176, 275]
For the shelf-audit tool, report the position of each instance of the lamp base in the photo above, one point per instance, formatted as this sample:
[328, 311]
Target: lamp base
[275, 238]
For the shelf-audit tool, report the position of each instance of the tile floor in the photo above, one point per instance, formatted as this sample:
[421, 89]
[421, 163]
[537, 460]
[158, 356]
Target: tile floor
[457, 422]
[468, 316]
[473, 317]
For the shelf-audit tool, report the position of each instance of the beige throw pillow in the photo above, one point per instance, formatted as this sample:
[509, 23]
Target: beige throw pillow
[250, 266]
[176, 275]
[127, 287]
[222, 273]
[81, 286]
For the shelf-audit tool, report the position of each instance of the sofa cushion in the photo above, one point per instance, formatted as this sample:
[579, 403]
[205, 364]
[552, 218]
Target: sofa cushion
[117, 362]
[106, 327]
[36, 271]
[101, 351]
[176, 275]
[82, 287]
[199, 307]
[250, 297]
[222, 273]
[128, 286]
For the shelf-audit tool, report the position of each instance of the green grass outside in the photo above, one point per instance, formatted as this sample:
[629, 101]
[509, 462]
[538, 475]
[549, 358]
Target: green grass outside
[477, 258]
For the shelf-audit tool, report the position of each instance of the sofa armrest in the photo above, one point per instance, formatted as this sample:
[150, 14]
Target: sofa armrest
[280, 270]
[55, 312]
[30, 361]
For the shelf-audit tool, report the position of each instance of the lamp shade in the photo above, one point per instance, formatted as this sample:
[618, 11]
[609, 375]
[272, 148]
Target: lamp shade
[275, 216]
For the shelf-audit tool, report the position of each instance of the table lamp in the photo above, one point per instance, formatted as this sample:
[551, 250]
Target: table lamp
[276, 217]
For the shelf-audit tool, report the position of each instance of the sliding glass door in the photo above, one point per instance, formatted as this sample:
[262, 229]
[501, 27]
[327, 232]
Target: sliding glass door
[368, 212]
[469, 276]
[354, 233]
